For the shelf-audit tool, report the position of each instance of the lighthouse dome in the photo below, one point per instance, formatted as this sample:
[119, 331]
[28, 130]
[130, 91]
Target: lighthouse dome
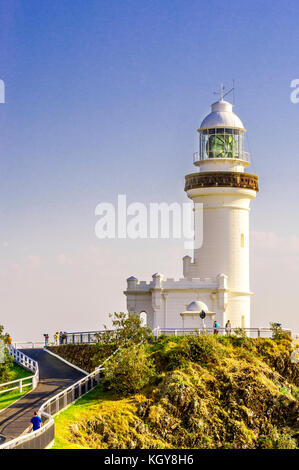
[197, 306]
[222, 115]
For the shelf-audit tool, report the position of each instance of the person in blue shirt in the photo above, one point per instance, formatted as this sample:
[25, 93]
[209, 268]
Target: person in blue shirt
[35, 422]
[216, 327]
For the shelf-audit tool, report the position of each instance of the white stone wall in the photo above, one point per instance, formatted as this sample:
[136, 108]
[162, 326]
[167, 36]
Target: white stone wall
[163, 304]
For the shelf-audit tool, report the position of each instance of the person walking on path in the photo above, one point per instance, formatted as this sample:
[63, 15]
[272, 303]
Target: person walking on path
[228, 327]
[35, 422]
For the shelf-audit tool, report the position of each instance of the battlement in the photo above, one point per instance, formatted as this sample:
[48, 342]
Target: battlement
[158, 282]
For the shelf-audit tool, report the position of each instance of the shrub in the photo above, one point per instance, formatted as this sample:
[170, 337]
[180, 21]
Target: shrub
[277, 332]
[5, 367]
[129, 371]
[127, 329]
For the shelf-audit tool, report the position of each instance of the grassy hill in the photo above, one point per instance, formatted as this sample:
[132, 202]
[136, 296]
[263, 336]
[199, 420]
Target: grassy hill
[200, 392]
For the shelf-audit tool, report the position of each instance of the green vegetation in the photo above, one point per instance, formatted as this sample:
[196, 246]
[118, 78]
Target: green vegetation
[127, 330]
[129, 371]
[10, 371]
[8, 361]
[190, 392]
[15, 372]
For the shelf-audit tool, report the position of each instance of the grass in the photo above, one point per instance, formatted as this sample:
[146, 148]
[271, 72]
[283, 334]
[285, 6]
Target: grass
[8, 398]
[85, 407]
[119, 412]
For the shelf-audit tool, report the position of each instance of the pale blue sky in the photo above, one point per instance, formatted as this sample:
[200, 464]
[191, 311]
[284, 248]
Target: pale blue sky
[104, 97]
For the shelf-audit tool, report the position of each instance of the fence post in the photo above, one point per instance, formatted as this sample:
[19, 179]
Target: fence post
[21, 385]
[175, 332]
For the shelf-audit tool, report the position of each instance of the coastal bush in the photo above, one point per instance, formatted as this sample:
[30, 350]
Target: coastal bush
[129, 371]
[5, 367]
[126, 329]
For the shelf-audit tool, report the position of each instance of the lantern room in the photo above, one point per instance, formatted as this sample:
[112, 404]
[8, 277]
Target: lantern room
[221, 135]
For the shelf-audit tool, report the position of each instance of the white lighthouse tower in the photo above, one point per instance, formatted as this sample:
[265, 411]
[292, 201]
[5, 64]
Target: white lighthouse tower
[218, 275]
[225, 191]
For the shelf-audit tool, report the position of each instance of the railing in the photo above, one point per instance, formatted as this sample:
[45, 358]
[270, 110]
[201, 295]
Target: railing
[79, 337]
[28, 364]
[197, 157]
[20, 384]
[83, 337]
[251, 332]
[29, 345]
[44, 437]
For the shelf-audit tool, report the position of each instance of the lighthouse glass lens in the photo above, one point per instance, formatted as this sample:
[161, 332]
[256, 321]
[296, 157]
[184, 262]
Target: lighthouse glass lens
[222, 143]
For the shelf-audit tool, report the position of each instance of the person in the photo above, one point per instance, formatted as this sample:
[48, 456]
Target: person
[60, 337]
[46, 336]
[35, 422]
[64, 336]
[56, 338]
[216, 326]
[228, 327]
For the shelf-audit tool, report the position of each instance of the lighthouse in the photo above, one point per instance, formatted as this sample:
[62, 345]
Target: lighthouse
[218, 274]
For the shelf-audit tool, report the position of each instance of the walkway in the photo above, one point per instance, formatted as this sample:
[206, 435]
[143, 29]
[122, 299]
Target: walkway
[54, 376]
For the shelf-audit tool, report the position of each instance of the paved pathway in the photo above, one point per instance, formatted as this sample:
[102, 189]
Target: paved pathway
[54, 376]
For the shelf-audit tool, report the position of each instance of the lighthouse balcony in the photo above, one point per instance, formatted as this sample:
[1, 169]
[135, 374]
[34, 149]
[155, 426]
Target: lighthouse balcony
[198, 157]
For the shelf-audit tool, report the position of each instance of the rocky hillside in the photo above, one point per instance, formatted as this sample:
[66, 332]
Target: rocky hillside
[206, 392]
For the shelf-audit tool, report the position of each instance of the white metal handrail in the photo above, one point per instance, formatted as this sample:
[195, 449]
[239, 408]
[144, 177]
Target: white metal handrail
[251, 332]
[28, 364]
[198, 157]
[20, 385]
[29, 344]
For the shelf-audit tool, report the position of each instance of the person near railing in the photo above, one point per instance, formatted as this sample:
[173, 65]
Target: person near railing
[35, 422]
[216, 327]
[46, 336]
[228, 327]
[56, 338]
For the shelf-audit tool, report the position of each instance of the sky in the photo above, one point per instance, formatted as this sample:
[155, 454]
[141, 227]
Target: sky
[103, 97]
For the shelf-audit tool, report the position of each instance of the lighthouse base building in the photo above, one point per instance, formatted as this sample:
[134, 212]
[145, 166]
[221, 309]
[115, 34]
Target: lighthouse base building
[216, 280]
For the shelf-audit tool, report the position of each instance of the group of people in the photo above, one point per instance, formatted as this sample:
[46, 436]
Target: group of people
[228, 327]
[59, 338]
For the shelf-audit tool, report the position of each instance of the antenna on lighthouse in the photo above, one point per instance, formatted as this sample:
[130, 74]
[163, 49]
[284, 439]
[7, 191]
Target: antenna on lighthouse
[221, 91]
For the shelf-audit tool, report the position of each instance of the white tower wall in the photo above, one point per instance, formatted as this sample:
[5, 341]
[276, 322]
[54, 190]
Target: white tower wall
[225, 247]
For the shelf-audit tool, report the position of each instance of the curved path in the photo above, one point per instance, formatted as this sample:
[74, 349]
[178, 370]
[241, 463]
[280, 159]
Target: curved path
[54, 376]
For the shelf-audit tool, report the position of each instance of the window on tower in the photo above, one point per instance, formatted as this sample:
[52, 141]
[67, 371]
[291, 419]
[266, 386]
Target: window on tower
[242, 240]
[221, 143]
